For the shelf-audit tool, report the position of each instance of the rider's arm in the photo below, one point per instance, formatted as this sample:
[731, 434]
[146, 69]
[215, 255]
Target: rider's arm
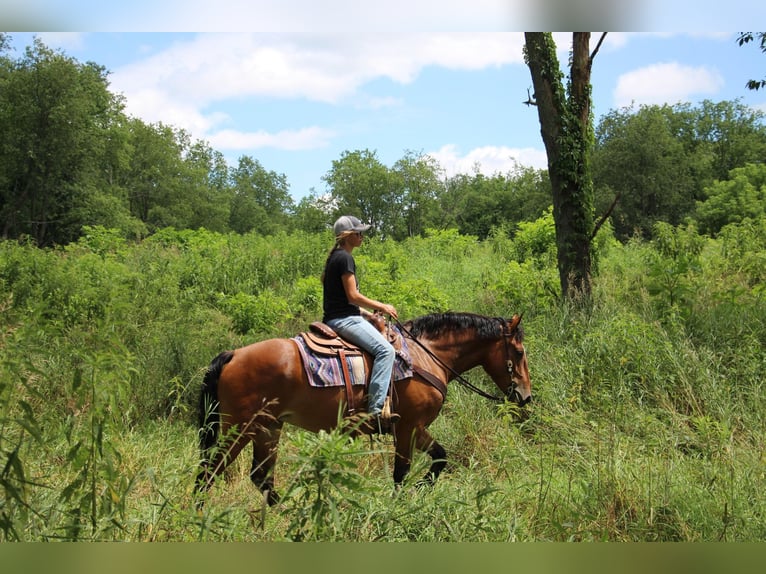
[356, 298]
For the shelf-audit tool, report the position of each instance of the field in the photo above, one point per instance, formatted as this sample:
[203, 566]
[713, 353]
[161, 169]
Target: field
[647, 422]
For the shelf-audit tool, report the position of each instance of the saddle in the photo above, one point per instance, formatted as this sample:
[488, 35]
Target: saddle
[322, 341]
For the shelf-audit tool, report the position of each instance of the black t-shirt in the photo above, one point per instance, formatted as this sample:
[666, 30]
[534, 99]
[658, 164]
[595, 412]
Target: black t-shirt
[335, 303]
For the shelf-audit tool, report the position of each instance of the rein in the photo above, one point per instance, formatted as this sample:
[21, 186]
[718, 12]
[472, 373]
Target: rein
[458, 377]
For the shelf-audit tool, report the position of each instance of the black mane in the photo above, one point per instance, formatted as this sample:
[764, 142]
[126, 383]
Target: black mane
[436, 324]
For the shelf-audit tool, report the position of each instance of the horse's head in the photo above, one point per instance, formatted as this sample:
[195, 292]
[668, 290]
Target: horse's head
[474, 340]
[512, 372]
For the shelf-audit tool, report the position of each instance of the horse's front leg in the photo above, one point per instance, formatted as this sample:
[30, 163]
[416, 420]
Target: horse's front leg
[424, 442]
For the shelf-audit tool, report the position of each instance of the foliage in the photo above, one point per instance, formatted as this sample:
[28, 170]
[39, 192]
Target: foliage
[52, 113]
[742, 196]
[675, 258]
[646, 425]
[661, 159]
[73, 161]
[746, 38]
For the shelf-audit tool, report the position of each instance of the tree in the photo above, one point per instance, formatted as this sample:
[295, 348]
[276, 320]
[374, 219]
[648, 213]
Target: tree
[361, 185]
[740, 197]
[418, 179]
[206, 187]
[261, 200]
[313, 214]
[478, 203]
[746, 38]
[642, 157]
[55, 121]
[659, 159]
[733, 132]
[565, 126]
[151, 179]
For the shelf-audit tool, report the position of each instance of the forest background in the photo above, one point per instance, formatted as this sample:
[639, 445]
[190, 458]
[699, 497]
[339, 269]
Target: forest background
[131, 255]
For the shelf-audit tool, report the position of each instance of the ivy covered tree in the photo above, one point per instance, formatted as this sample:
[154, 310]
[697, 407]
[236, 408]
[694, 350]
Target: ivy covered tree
[566, 128]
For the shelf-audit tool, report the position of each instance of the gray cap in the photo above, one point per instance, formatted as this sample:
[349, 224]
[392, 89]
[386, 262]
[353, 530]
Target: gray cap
[348, 223]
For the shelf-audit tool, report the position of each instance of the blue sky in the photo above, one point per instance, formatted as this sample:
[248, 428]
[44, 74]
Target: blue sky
[296, 100]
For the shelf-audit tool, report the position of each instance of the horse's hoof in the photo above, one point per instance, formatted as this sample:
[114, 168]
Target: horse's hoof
[272, 497]
[426, 482]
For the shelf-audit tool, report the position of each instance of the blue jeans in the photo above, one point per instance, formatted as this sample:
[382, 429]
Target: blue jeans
[359, 331]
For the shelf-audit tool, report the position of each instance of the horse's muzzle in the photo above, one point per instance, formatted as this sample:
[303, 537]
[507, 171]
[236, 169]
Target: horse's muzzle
[515, 396]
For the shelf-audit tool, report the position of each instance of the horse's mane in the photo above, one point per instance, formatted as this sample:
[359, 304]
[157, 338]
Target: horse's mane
[436, 324]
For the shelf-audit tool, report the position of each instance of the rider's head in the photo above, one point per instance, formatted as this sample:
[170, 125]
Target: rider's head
[348, 223]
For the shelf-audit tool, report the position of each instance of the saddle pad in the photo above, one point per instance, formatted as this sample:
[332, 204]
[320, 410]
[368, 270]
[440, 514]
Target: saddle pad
[324, 371]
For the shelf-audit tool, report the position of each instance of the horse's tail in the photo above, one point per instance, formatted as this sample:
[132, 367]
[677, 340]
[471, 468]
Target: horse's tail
[209, 416]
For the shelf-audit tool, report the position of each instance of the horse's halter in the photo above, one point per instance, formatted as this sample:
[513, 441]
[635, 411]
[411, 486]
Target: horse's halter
[512, 392]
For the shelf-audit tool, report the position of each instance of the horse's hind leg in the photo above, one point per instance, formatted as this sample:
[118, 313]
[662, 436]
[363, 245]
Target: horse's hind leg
[222, 455]
[265, 443]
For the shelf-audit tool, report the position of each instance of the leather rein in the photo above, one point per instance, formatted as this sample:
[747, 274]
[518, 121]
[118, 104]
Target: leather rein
[458, 377]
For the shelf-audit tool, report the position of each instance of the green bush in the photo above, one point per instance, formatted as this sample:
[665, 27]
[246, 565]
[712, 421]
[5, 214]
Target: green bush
[647, 420]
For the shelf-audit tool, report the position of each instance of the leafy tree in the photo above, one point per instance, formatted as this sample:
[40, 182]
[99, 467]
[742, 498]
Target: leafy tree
[733, 133]
[261, 200]
[362, 186]
[565, 122]
[640, 157]
[477, 203]
[207, 188]
[55, 115]
[419, 180]
[659, 159]
[740, 197]
[152, 177]
[746, 38]
[313, 213]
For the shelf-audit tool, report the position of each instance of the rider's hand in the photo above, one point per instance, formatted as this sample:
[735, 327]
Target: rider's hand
[389, 310]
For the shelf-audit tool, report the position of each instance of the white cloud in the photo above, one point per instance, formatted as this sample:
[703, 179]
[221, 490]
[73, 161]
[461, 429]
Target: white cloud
[488, 160]
[321, 68]
[666, 83]
[377, 103]
[291, 140]
[184, 84]
[62, 40]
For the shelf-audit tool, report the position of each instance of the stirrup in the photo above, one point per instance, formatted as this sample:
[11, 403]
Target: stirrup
[387, 412]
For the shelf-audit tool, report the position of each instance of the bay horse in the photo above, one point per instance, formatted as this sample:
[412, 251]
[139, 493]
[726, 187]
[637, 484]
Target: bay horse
[249, 393]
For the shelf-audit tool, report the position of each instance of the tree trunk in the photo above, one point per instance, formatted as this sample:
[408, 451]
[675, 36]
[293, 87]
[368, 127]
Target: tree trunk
[565, 126]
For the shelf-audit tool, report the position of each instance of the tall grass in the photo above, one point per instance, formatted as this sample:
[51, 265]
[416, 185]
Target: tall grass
[647, 421]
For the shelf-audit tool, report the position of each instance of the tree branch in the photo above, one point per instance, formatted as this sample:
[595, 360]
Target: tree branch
[604, 217]
[596, 49]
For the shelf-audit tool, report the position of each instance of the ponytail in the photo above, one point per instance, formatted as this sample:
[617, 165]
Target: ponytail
[338, 245]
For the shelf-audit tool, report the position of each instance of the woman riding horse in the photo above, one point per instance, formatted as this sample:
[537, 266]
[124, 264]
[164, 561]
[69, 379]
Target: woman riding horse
[249, 393]
[342, 304]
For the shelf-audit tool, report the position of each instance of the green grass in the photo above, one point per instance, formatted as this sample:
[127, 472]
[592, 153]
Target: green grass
[647, 422]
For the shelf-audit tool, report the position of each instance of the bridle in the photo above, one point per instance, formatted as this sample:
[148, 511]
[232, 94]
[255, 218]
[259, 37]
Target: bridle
[511, 394]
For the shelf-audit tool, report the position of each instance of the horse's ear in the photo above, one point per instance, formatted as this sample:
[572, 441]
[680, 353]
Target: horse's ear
[515, 321]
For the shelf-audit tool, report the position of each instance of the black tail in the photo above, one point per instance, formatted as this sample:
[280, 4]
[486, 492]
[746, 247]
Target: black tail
[209, 418]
